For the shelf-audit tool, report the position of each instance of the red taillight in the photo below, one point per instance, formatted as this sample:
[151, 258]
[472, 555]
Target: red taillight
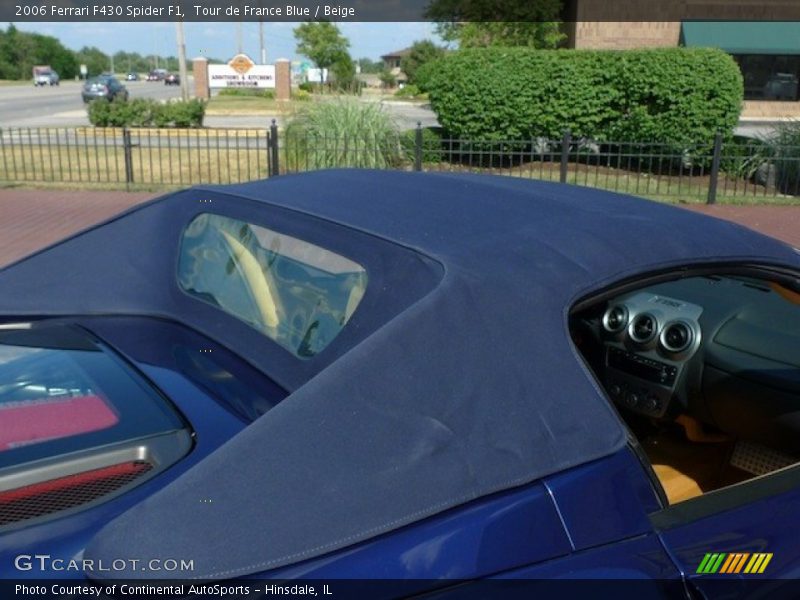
[33, 421]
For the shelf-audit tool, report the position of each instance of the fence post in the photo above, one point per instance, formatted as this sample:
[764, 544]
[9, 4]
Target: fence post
[566, 141]
[715, 160]
[418, 147]
[274, 165]
[126, 150]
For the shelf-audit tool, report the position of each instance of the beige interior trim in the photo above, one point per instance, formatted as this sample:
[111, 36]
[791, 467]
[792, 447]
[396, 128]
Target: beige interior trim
[260, 286]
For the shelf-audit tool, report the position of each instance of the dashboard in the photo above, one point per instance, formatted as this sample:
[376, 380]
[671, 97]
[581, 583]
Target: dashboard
[724, 349]
[649, 340]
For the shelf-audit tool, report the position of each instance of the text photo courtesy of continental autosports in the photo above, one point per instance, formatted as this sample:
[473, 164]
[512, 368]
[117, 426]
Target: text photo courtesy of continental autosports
[435, 299]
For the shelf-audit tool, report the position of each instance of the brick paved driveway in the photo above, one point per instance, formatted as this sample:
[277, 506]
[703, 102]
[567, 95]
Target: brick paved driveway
[33, 219]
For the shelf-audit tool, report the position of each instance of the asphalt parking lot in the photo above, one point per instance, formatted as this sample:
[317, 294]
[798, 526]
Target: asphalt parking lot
[33, 219]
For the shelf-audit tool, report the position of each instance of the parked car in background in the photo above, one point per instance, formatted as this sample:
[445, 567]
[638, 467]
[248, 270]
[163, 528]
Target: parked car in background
[104, 86]
[172, 79]
[425, 378]
[44, 75]
[132, 76]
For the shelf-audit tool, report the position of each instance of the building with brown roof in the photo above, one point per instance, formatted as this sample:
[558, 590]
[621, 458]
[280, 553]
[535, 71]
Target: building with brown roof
[762, 36]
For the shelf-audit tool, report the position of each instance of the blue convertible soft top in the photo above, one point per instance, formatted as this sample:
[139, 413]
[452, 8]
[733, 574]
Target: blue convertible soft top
[467, 384]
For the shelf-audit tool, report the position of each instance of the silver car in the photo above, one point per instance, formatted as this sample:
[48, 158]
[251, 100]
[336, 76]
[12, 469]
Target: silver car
[104, 86]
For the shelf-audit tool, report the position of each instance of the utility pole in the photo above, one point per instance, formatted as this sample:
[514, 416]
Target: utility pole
[261, 37]
[112, 64]
[239, 37]
[182, 60]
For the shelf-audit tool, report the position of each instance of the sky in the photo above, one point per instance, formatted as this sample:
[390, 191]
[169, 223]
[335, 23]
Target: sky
[218, 39]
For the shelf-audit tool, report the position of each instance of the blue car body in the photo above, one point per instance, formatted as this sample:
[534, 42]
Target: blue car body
[603, 517]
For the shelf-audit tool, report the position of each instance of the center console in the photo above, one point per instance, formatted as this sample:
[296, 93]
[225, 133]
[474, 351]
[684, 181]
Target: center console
[648, 341]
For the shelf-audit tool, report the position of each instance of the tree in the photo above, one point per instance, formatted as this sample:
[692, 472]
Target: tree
[370, 66]
[387, 79]
[479, 23]
[49, 51]
[131, 61]
[322, 43]
[96, 60]
[420, 53]
[20, 51]
[344, 72]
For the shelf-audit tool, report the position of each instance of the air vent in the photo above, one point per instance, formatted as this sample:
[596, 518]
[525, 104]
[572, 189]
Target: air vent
[643, 328]
[676, 337]
[55, 495]
[615, 318]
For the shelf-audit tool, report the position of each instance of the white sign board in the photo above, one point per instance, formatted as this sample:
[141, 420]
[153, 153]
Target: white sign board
[241, 72]
[84, 70]
[312, 75]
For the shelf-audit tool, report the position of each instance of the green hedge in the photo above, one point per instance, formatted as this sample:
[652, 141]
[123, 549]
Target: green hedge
[674, 95]
[248, 92]
[146, 113]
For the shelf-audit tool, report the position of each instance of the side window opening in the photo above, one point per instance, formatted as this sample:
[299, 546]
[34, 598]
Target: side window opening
[705, 372]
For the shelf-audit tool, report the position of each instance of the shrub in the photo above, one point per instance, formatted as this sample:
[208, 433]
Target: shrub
[301, 95]
[676, 96]
[185, 114]
[342, 132]
[306, 86]
[387, 78]
[99, 112]
[431, 145]
[746, 158]
[785, 150]
[408, 91]
[146, 113]
[248, 92]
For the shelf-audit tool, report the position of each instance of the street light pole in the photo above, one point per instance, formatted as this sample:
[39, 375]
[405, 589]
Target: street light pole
[182, 60]
[261, 37]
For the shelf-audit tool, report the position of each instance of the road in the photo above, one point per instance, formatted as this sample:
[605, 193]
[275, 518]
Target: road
[61, 106]
[408, 114]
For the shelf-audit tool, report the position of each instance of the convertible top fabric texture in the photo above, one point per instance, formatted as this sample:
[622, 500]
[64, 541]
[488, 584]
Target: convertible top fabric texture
[468, 386]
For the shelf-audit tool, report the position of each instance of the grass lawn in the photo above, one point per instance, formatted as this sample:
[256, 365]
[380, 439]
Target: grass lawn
[250, 105]
[75, 167]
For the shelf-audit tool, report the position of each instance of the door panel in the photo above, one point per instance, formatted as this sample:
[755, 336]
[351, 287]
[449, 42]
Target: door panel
[758, 520]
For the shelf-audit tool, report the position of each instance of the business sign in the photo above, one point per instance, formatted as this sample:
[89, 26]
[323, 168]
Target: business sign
[313, 75]
[241, 72]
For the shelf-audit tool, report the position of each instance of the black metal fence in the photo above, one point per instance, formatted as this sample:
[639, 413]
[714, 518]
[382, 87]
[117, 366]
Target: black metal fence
[133, 157]
[707, 171]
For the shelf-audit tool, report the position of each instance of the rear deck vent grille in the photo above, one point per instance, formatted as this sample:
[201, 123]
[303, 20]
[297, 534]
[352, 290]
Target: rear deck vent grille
[47, 497]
